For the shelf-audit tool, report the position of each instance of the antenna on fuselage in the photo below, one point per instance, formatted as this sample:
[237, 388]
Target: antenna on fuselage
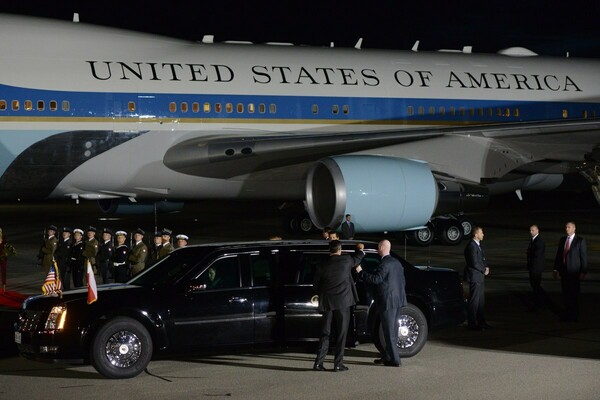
[358, 44]
[415, 47]
[76, 17]
[208, 39]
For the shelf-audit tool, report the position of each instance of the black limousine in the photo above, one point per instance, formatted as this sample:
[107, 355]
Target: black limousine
[208, 297]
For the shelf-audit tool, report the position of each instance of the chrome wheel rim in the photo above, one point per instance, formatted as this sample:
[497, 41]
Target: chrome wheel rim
[123, 349]
[453, 233]
[424, 234]
[408, 332]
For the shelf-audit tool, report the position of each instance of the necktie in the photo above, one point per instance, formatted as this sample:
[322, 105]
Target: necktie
[567, 248]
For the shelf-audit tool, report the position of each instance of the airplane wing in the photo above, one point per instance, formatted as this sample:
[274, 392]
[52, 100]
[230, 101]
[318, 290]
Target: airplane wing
[469, 152]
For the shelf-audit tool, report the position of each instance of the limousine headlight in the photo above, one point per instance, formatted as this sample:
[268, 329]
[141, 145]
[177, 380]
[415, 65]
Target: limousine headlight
[57, 318]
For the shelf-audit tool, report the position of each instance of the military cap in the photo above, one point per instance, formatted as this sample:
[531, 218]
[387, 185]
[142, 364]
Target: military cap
[140, 231]
[77, 230]
[182, 237]
[52, 228]
[157, 234]
[106, 230]
[91, 229]
[167, 232]
[67, 229]
[121, 233]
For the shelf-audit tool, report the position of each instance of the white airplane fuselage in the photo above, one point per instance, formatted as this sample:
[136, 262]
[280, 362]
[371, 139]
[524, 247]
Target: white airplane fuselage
[90, 112]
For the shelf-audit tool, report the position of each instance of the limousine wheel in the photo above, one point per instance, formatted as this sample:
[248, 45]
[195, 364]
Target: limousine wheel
[412, 332]
[121, 349]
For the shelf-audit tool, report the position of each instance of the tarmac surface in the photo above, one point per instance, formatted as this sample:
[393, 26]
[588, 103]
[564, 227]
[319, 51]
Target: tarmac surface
[527, 354]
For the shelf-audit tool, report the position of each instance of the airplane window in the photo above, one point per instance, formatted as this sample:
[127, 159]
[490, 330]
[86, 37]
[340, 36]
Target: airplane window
[480, 112]
[516, 112]
[172, 107]
[421, 110]
[2, 105]
[262, 108]
[461, 111]
[66, 105]
[40, 105]
[507, 112]
[565, 113]
[499, 112]
[335, 109]
[195, 107]
[131, 106]
[184, 107]
[229, 107]
[472, 112]
[585, 114]
[490, 112]
[15, 105]
[53, 105]
[593, 114]
[431, 110]
[206, 107]
[28, 105]
[410, 110]
[218, 107]
[251, 108]
[272, 108]
[315, 108]
[240, 108]
[442, 110]
[452, 111]
[345, 109]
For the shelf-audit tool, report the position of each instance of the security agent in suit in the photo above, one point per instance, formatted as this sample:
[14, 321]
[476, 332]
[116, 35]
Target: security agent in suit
[337, 294]
[535, 265]
[475, 271]
[571, 265]
[348, 228]
[390, 297]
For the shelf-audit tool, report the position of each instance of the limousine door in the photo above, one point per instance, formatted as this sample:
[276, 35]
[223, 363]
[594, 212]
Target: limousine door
[214, 309]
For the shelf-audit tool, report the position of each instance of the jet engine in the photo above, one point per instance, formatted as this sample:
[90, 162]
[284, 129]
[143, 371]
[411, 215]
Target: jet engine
[126, 207]
[381, 193]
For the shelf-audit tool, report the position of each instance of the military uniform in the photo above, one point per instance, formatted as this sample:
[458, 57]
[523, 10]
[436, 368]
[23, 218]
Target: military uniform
[76, 261]
[153, 251]
[167, 247]
[48, 248]
[90, 250]
[120, 264]
[61, 256]
[104, 257]
[139, 253]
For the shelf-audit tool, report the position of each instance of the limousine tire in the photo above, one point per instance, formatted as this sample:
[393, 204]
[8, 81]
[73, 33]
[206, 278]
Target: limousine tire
[121, 349]
[412, 333]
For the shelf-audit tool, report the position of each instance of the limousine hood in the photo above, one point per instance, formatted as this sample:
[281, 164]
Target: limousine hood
[42, 302]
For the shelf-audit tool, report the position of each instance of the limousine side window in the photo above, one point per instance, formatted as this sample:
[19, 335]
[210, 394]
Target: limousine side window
[308, 266]
[261, 269]
[224, 273]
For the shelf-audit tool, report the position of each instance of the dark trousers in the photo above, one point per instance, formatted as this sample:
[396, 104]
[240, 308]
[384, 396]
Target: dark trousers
[476, 302]
[539, 294]
[390, 325]
[571, 287]
[65, 275]
[77, 271]
[105, 271]
[341, 319]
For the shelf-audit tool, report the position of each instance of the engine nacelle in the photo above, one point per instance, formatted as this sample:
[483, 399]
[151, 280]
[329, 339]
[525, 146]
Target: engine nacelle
[455, 196]
[381, 193]
[126, 207]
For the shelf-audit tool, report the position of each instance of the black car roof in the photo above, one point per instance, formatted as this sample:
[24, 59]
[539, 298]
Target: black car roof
[347, 245]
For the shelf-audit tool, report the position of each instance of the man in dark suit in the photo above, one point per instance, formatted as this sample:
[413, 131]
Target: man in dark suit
[390, 297]
[337, 293]
[535, 265]
[475, 272]
[348, 228]
[571, 265]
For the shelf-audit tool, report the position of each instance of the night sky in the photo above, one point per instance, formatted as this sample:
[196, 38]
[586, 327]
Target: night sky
[546, 27]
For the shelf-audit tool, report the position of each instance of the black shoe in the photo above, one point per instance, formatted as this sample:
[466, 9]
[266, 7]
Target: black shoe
[340, 368]
[391, 364]
[379, 361]
[474, 328]
[319, 367]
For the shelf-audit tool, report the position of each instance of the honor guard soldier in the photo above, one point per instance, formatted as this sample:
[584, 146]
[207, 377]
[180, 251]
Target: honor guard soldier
[154, 249]
[182, 240]
[63, 252]
[105, 253]
[167, 247]
[76, 258]
[48, 248]
[91, 248]
[139, 253]
[120, 265]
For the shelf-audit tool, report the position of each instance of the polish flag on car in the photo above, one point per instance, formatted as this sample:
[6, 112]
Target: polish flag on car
[91, 284]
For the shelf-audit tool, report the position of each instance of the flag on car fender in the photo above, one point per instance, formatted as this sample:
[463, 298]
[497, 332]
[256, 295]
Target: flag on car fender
[91, 284]
[52, 286]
